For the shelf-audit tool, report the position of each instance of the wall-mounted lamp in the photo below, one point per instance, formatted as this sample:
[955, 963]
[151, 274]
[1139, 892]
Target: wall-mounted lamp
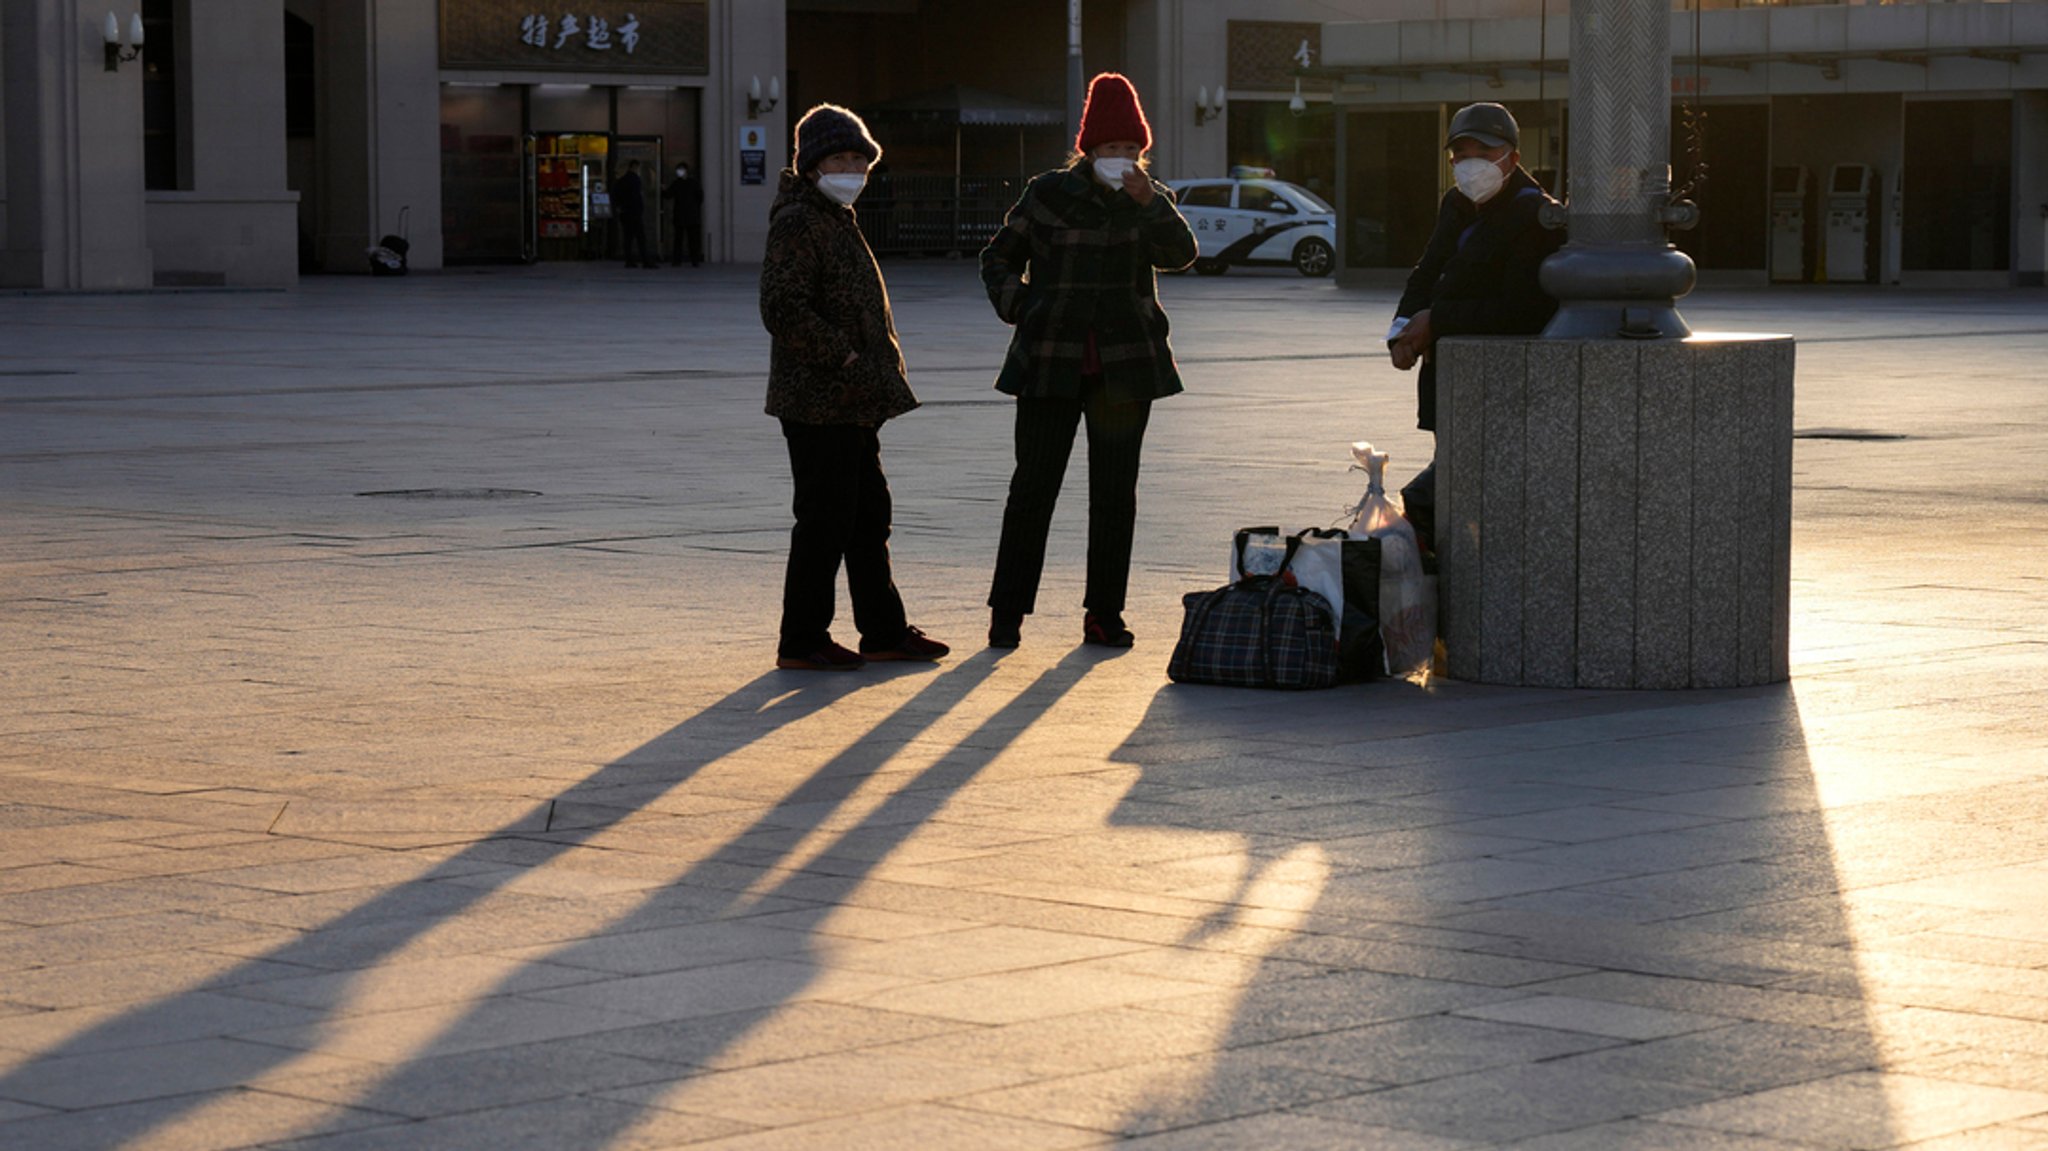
[757, 105]
[1297, 105]
[1205, 108]
[116, 55]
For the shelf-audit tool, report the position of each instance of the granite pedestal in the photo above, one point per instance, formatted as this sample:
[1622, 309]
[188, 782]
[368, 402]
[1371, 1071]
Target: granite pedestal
[1615, 514]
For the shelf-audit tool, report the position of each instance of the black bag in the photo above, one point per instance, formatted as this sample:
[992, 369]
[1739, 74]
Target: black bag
[1345, 571]
[388, 258]
[1262, 631]
[1360, 655]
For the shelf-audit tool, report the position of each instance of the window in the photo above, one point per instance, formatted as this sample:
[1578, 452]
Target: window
[301, 82]
[1206, 196]
[164, 163]
[1260, 198]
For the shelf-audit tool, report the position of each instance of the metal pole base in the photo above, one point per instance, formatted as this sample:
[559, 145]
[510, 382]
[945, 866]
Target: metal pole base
[1611, 319]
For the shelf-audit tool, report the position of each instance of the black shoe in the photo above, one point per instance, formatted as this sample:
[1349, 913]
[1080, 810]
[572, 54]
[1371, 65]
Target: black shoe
[831, 657]
[1005, 629]
[1105, 631]
[915, 646]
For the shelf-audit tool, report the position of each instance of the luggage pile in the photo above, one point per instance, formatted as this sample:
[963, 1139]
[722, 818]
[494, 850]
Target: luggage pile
[1316, 607]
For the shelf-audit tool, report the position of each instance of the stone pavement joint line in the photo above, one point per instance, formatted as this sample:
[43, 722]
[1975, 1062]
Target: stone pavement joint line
[334, 822]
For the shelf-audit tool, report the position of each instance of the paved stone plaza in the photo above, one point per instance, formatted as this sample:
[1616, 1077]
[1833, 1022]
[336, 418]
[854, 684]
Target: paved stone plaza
[481, 820]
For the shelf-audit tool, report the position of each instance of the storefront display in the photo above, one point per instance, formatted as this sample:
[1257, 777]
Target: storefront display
[569, 175]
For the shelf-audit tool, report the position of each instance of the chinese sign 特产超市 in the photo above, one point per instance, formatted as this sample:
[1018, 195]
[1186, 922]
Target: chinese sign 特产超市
[604, 36]
[594, 33]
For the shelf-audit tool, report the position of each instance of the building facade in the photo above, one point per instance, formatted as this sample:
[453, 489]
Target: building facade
[1898, 143]
[249, 141]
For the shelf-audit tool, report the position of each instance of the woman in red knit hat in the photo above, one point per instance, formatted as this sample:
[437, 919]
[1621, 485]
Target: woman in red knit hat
[1073, 270]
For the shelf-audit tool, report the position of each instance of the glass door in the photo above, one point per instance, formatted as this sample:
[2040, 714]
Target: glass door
[569, 175]
[647, 150]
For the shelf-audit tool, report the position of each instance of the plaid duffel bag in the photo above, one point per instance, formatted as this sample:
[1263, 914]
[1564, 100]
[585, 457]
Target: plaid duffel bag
[1262, 631]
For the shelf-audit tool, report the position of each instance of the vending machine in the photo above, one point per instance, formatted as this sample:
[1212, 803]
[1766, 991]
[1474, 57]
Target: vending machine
[1788, 224]
[1849, 223]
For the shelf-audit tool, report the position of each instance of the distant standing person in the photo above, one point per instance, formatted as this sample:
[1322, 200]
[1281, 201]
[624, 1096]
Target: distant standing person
[1073, 270]
[629, 205]
[835, 376]
[686, 214]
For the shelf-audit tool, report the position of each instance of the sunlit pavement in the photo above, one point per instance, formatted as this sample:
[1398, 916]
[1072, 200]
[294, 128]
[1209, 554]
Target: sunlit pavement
[479, 819]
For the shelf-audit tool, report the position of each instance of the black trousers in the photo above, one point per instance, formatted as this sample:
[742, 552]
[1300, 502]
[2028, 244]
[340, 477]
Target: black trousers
[1425, 393]
[1045, 439]
[687, 238]
[842, 514]
[633, 240]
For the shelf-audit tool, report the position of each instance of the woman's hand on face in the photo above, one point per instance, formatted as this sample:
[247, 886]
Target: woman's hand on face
[1138, 186]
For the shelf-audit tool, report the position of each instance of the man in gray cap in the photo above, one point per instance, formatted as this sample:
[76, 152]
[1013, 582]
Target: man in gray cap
[1478, 275]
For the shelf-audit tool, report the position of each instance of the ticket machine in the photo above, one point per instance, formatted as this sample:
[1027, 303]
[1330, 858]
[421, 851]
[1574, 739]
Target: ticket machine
[1788, 224]
[1848, 223]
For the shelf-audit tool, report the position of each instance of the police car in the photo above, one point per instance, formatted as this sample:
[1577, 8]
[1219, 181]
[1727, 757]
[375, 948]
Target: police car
[1254, 220]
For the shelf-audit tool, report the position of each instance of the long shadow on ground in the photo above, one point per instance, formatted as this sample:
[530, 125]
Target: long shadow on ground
[1520, 914]
[672, 983]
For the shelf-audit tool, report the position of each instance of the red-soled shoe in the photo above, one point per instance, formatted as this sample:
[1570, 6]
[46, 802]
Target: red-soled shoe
[1105, 631]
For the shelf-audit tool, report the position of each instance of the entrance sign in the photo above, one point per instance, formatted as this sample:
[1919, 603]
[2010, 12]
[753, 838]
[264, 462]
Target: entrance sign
[753, 154]
[595, 36]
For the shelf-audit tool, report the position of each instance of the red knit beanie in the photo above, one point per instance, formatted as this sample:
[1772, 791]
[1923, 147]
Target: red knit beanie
[1111, 114]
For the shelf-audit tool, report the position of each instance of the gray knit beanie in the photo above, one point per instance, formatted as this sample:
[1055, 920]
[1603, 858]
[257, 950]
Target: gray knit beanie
[828, 130]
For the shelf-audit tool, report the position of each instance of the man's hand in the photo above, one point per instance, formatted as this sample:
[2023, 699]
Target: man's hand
[1412, 345]
[1138, 186]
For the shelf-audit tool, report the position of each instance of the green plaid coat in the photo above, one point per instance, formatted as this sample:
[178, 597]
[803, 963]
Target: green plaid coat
[1075, 257]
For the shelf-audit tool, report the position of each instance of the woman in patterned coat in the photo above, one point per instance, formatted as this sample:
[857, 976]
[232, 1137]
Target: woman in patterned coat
[835, 375]
[1073, 270]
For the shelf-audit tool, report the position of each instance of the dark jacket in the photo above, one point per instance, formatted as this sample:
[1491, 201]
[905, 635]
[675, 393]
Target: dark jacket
[1478, 275]
[686, 198]
[627, 200]
[1088, 253]
[821, 297]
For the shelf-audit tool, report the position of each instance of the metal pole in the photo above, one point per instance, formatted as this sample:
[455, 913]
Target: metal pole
[1618, 275]
[1076, 88]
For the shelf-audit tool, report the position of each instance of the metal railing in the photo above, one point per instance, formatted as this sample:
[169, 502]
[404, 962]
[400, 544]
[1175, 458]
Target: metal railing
[934, 215]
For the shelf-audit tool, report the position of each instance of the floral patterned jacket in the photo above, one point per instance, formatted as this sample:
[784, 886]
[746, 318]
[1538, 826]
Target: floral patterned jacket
[822, 297]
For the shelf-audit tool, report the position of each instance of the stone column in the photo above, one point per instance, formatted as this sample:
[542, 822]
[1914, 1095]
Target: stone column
[1614, 500]
[1615, 513]
[74, 153]
[235, 222]
[380, 139]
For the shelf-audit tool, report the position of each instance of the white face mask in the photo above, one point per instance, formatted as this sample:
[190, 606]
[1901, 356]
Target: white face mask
[842, 186]
[1110, 170]
[1479, 178]
[682, 173]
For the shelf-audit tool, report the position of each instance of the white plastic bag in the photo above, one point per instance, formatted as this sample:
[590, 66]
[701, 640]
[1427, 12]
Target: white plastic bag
[1407, 593]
